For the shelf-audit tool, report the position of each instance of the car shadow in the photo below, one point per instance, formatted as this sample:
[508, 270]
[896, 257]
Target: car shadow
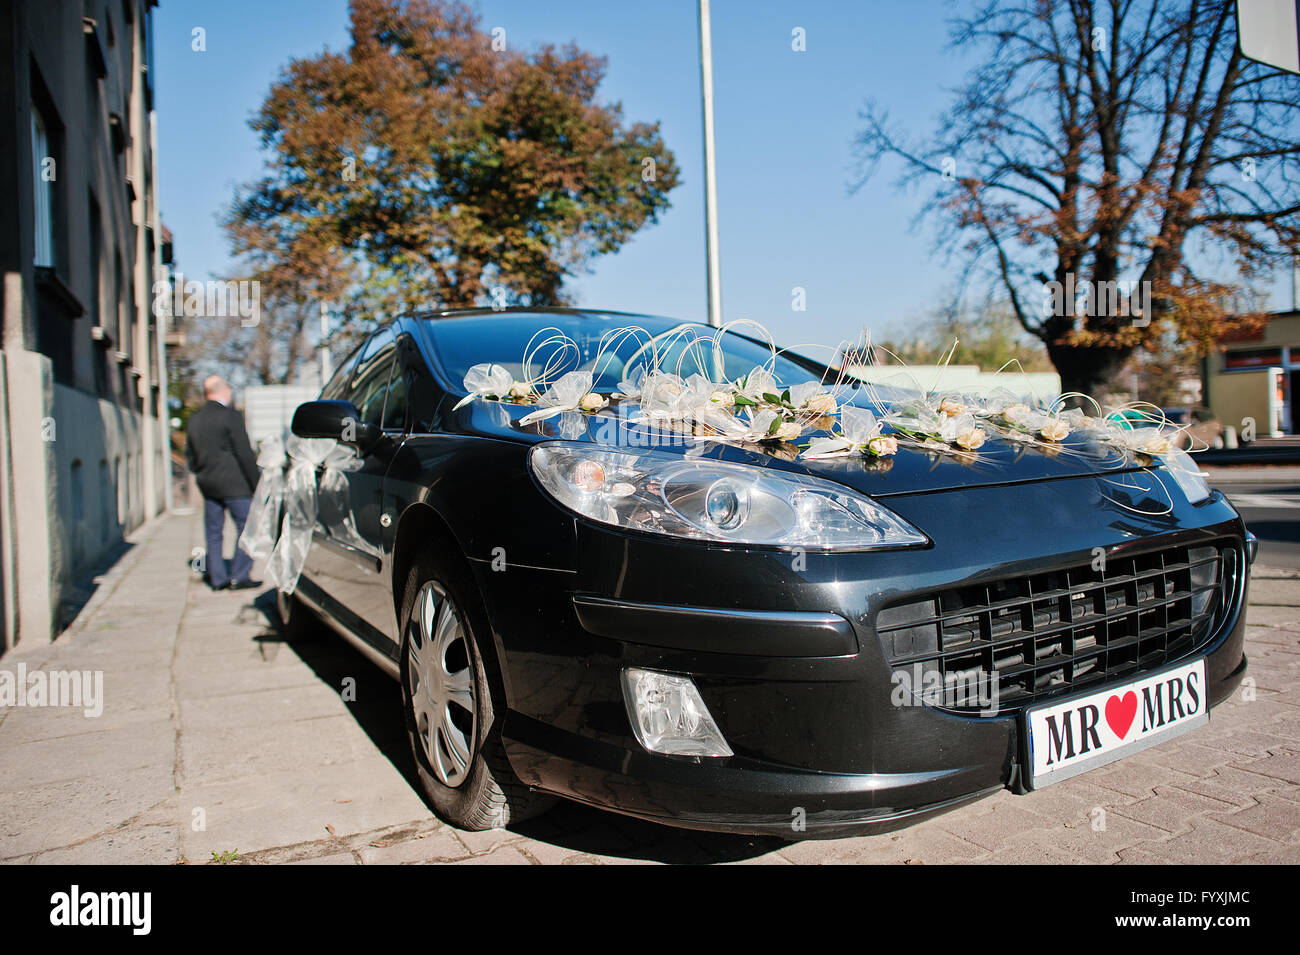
[376, 703]
[581, 829]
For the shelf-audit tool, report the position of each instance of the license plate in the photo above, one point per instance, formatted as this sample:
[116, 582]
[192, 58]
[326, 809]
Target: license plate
[1076, 735]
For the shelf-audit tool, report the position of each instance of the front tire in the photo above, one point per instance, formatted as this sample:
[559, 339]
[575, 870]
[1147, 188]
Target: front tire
[451, 693]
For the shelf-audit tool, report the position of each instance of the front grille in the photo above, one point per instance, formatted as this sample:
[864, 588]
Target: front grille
[998, 647]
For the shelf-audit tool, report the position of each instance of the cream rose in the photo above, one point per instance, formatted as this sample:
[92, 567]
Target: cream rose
[521, 389]
[1015, 413]
[788, 431]
[970, 439]
[1157, 445]
[882, 446]
[592, 401]
[1055, 430]
[951, 408]
[821, 404]
[724, 398]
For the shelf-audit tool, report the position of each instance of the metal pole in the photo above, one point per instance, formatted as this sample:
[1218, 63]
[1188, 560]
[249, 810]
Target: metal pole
[710, 171]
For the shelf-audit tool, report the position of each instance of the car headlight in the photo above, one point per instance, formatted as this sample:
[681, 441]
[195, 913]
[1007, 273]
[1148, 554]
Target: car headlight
[665, 493]
[1187, 475]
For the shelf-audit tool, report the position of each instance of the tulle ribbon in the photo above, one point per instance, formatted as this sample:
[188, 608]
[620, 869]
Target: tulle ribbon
[565, 395]
[484, 381]
[858, 427]
[292, 498]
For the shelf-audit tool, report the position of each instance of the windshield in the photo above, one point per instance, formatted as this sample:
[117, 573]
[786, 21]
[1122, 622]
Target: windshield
[460, 343]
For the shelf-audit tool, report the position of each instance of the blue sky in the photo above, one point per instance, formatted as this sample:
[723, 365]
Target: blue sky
[785, 122]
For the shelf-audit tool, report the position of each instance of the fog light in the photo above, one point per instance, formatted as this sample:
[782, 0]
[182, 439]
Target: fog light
[668, 715]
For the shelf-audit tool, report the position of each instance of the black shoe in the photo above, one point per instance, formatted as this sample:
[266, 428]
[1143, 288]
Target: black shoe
[225, 586]
[245, 585]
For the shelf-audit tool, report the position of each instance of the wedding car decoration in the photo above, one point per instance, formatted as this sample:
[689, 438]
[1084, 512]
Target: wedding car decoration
[756, 408]
[286, 504]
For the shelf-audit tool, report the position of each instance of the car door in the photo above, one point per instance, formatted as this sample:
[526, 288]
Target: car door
[347, 556]
[321, 571]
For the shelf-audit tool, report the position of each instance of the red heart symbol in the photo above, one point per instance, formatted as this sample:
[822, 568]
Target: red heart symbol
[1120, 713]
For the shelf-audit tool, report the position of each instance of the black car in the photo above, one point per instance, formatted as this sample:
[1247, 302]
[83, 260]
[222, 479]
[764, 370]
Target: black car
[765, 643]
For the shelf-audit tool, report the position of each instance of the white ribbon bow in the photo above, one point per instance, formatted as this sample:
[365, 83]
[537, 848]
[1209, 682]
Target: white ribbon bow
[484, 380]
[857, 428]
[296, 494]
[565, 395]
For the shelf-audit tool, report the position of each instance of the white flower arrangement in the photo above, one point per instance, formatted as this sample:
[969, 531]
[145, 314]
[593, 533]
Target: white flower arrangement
[757, 408]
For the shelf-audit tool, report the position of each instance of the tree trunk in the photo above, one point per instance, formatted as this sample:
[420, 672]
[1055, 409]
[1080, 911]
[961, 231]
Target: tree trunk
[1087, 369]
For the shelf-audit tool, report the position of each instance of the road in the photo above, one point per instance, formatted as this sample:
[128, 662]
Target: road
[1269, 500]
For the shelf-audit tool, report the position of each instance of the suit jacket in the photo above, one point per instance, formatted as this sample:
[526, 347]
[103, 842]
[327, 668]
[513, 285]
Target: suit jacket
[219, 454]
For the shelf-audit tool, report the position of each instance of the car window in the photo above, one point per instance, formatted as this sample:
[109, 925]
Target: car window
[395, 406]
[371, 387]
[338, 382]
[462, 342]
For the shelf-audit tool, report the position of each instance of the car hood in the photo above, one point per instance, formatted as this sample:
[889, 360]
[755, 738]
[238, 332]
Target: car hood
[912, 470]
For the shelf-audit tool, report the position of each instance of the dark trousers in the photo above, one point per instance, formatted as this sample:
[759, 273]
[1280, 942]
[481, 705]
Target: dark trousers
[214, 521]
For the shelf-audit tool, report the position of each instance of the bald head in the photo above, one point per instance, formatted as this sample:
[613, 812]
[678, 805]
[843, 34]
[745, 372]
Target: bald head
[216, 389]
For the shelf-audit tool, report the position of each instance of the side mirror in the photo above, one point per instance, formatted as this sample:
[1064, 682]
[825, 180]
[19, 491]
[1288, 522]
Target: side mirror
[338, 420]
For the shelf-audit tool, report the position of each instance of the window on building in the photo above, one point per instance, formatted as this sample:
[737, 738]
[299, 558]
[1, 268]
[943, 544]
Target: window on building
[100, 356]
[44, 171]
[1252, 358]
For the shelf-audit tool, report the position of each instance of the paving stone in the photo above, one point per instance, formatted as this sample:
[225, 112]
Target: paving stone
[925, 843]
[1284, 766]
[504, 855]
[1206, 842]
[57, 814]
[1285, 617]
[297, 806]
[336, 858]
[440, 846]
[142, 845]
[1170, 809]
[1271, 816]
[991, 829]
[1274, 593]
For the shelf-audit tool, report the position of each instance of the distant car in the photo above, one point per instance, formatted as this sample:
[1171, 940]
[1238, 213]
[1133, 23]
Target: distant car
[711, 636]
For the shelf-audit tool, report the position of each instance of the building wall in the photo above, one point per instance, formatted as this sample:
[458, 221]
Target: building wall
[1234, 376]
[83, 423]
[1244, 396]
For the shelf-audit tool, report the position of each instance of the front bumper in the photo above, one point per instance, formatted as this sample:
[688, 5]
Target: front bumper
[803, 701]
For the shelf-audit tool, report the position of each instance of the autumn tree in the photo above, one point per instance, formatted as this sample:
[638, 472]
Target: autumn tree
[1101, 146]
[432, 164]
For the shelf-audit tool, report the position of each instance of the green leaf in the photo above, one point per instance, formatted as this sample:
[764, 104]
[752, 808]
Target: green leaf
[774, 399]
[743, 401]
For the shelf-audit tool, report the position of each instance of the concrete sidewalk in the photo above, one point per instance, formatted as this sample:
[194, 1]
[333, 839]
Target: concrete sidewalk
[217, 738]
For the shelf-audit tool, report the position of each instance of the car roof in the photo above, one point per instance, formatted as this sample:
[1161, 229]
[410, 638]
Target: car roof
[454, 313]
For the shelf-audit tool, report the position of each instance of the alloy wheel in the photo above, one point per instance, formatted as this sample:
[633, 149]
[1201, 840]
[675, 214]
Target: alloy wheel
[440, 681]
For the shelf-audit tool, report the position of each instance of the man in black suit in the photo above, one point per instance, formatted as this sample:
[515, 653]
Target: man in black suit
[225, 470]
